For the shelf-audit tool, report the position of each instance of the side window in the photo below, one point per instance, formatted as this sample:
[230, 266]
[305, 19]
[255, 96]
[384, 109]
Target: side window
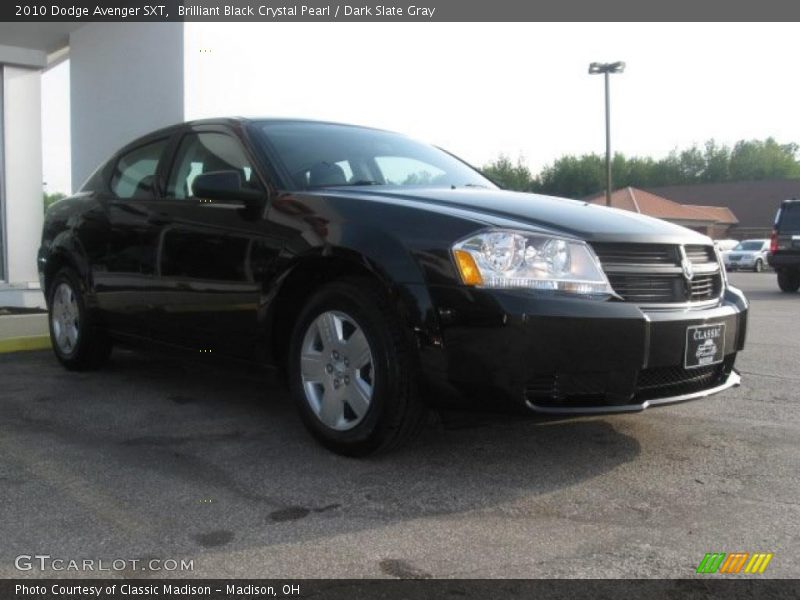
[205, 152]
[134, 175]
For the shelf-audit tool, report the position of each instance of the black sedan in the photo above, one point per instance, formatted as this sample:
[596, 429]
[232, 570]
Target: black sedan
[382, 274]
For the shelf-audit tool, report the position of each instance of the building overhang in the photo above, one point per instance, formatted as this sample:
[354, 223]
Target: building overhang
[36, 45]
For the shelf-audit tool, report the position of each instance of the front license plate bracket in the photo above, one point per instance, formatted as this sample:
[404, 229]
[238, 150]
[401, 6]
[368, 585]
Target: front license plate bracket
[705, 345]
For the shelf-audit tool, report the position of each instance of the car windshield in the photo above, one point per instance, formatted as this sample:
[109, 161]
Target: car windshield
[324, 155]
[753, 245]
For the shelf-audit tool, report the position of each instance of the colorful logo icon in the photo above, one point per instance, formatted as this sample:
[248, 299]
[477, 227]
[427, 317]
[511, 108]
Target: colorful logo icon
[720, 562]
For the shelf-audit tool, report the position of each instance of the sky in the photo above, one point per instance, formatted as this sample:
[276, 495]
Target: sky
[482, 89]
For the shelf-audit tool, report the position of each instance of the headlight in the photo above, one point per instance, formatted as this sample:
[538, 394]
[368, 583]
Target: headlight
[512, 259]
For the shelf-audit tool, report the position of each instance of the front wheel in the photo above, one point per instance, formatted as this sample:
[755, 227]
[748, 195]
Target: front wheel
[77, 344]
[788, 281]
[352, 370]
[759, 266]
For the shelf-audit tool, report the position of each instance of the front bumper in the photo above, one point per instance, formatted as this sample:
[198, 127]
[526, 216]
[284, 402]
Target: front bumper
[733, 379]
[566, 355]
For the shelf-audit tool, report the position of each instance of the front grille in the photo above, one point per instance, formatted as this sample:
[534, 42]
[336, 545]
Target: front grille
[660, 382]
[653, 273]
[704, 287]
[567, 389]
[593, 389]
[700, 254]
[636, 254]
[646, 288]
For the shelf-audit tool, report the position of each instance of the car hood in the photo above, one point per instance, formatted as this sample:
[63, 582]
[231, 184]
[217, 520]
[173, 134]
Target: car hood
[513, 209]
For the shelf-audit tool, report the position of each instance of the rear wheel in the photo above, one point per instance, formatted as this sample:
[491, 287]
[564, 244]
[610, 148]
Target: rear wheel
[352, 371]
[77, 344]
[789, 281]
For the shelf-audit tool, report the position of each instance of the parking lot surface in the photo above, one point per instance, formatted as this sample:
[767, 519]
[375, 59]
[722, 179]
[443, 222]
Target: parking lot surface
[154, 457]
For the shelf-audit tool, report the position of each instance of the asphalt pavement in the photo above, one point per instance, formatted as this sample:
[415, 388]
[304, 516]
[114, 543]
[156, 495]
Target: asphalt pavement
[153, 457]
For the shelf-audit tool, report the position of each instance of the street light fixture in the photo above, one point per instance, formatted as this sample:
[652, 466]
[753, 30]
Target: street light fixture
[606, 69]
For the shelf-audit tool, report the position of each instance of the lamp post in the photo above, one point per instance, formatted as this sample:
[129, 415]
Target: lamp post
[606, 69]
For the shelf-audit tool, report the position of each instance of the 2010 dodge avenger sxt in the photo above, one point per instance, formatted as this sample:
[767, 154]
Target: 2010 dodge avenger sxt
[381, 273]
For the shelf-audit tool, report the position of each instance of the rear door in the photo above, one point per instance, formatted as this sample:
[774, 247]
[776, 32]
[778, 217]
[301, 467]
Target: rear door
[125, 274]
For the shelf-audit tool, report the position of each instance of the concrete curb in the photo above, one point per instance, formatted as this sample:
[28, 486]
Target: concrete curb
[19, 333]
[22, 344]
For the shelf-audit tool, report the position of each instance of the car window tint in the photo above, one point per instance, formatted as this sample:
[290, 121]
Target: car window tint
[317, 155]
[757, 245]
[790, 218]
[135, 172]
[203, 153]
[401, 170]
[303, 178]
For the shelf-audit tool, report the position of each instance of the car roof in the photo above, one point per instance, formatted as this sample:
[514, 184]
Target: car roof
[234, 120]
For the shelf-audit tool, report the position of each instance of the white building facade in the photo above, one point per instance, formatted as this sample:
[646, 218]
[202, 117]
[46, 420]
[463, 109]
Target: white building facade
[125, 79]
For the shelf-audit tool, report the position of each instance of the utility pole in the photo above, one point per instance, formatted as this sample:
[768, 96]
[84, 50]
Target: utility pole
[607, 69]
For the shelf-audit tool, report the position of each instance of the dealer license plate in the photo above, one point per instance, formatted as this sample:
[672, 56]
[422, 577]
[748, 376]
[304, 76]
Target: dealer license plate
[705, 345]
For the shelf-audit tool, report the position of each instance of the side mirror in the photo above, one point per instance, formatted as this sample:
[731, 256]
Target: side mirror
[226, 187]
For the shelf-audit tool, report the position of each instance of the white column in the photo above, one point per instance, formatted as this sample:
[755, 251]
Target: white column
[126, 79]
[22, 185]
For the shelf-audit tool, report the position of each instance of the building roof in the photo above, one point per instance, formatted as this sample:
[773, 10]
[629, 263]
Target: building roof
[722, 214]
[652, 205]
[753, 202]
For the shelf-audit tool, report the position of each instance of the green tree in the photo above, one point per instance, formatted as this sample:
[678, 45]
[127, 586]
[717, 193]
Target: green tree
[510, 176]
[717, 159]
[580, 176]
[753, 159]
[573, 176]
[50, 199]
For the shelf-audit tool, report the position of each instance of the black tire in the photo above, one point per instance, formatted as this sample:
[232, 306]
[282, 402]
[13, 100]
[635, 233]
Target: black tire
[788, 281]
[395, 413]
[92, 346]
[759, 266]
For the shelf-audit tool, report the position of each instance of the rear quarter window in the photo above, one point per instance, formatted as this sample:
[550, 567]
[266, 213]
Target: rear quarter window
[789, 218]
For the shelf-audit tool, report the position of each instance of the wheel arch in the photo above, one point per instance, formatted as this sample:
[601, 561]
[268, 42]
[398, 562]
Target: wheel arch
[308, 273]
[63, 252]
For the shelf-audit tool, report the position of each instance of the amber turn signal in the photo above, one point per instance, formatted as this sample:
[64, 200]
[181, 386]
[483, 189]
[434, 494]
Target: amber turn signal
[470, 274]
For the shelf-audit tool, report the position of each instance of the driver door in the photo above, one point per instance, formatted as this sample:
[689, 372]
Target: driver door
[212, 257]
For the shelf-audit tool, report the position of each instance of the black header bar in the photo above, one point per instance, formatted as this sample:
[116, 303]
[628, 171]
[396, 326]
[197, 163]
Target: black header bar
[405, 10]
[701, 588]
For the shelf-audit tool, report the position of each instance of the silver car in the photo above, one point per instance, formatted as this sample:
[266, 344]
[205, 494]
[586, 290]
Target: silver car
[748, 254]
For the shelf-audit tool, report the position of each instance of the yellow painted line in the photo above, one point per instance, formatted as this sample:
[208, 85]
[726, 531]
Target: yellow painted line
[22, 344]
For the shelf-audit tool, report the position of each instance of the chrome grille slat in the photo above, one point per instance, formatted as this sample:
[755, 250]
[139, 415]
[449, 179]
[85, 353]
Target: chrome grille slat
[652, 273]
